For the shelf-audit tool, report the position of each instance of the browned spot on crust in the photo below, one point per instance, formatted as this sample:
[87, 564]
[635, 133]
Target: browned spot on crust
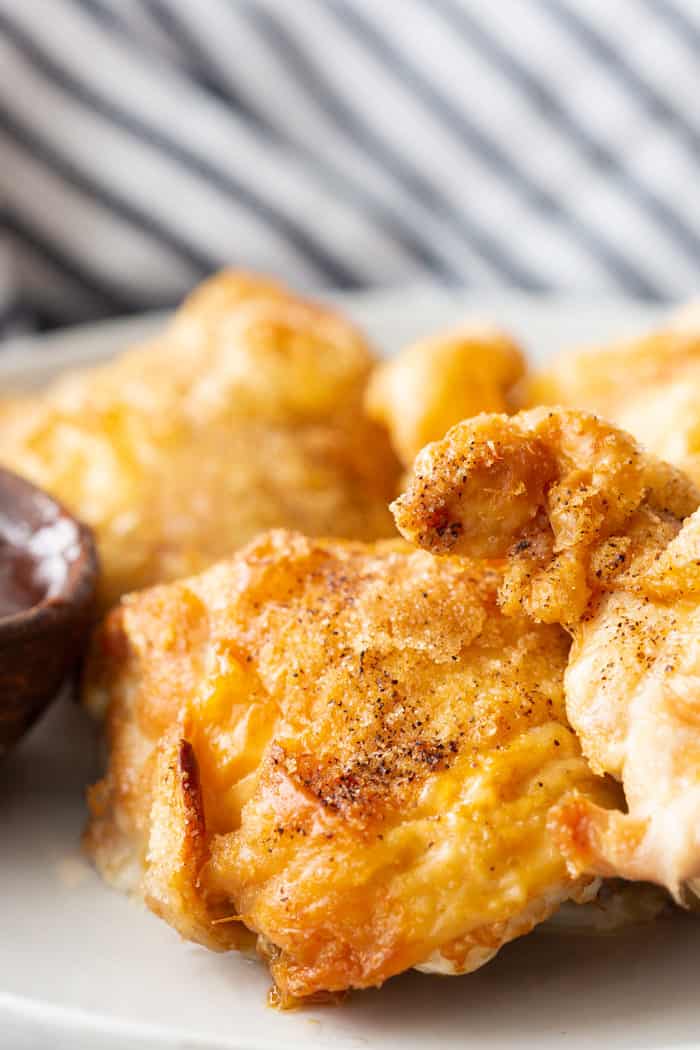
[571, 826]
[371, 783]
[192, 796]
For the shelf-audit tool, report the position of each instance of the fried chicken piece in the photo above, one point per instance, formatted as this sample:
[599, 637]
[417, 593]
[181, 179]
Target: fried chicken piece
[593, 531]
[649, 386]
[245, 414]
[209, 306]
[426, 388]
[343, 748]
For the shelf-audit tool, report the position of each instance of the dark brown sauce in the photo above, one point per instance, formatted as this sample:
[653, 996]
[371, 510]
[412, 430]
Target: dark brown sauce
[21, 586]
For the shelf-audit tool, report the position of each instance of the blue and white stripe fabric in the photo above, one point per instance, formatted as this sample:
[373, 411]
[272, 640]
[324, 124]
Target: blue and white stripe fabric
[545, 145]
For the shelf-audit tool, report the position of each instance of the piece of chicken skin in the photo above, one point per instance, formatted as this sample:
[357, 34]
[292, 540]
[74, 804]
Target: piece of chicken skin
[649, 386]
[427, 387]
[343, 748]
[592, 529]
[245, 414]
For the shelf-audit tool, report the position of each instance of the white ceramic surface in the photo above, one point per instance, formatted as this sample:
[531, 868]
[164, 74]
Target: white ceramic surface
[82, 967]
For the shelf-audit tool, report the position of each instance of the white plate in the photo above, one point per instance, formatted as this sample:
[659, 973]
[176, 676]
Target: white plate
[82, 967]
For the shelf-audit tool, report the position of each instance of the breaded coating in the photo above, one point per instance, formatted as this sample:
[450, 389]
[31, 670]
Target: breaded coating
[593, 530]
[431, 385]
[245, 414]
[343, 750]
[649, 386]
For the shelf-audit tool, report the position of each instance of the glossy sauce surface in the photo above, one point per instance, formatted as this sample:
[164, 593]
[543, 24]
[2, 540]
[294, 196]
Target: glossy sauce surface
[38, 545]
[21, 585]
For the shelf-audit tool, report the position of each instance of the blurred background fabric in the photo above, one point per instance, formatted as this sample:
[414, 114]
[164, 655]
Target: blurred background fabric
[541, 145]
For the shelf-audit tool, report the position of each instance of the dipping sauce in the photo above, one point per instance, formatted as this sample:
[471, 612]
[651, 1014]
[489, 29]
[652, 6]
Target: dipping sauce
[20, 584]
[48, 570]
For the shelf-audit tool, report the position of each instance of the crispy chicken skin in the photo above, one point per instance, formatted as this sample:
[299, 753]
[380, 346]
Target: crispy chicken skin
[431, 385]
[342, 751]
[592, 528]
[649, 386]
[245, 414]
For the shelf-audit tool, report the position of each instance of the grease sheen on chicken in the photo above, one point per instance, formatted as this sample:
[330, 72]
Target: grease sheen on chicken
[598, 537]
[244, 414]
[342, 749]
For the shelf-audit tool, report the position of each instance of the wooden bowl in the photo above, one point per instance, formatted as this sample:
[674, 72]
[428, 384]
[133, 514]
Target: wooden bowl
[48, 572]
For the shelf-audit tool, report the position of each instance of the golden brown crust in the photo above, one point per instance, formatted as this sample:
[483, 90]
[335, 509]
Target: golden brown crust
[178, 849]
[560, 493]
[433, 384]
[594, 532]
[648, 386]
[378, 749]
[245, 414]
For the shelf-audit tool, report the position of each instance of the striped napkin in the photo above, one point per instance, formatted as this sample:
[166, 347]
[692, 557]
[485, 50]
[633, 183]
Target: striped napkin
[544, 145]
